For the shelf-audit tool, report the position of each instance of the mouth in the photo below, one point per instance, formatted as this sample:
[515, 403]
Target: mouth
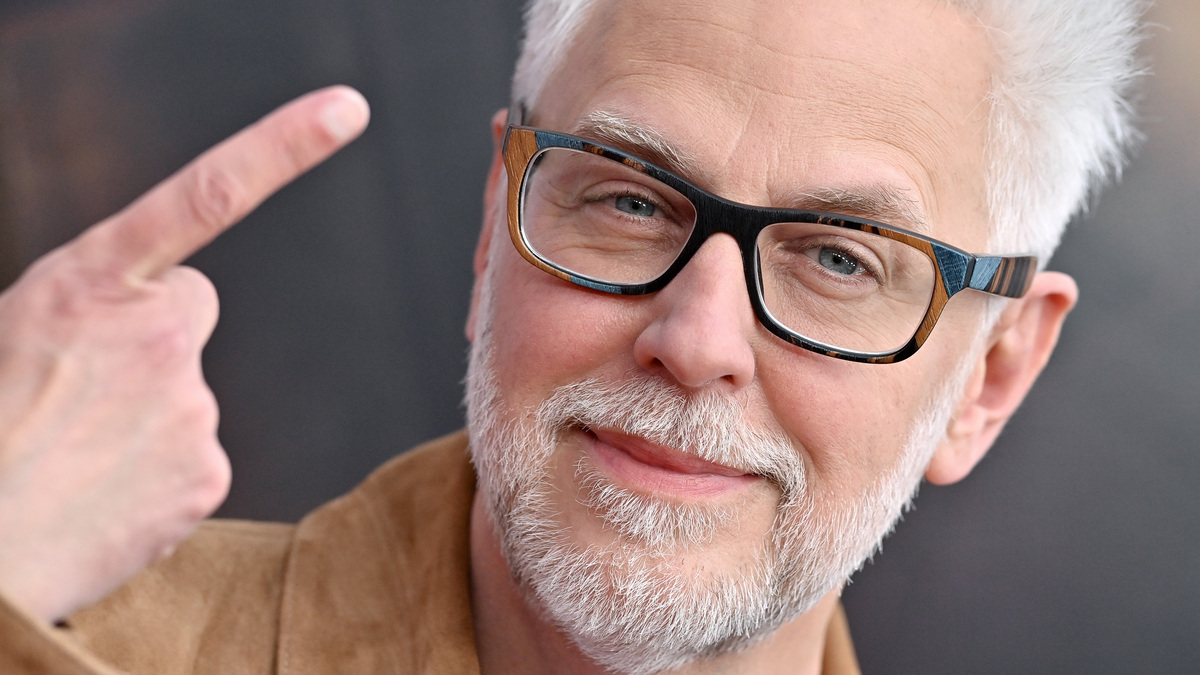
[653, 468]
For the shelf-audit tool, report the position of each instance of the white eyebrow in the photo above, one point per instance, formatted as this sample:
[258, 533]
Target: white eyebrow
[638, 139]
[877, 201]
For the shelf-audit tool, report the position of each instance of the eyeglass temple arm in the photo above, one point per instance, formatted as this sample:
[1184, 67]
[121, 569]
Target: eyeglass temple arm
[1008, 276]
[516, 114]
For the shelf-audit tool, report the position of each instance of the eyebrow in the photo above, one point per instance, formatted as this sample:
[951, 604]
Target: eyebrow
[637, 139]
[881, 202]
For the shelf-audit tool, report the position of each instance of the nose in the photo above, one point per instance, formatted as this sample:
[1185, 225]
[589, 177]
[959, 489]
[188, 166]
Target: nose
[702, 325]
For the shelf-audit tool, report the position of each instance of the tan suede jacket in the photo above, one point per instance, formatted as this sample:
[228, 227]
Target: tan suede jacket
[374, 582]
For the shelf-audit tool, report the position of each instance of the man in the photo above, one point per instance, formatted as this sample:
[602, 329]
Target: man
[717, 339]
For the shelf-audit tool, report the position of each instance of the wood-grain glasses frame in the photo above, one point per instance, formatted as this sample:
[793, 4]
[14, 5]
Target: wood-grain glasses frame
[955, 269]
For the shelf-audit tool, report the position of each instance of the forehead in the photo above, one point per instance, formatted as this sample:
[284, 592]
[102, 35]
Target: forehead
[778, 97]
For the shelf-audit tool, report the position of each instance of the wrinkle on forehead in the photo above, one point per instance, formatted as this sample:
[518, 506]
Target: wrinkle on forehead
[774, 93]
[825, 87]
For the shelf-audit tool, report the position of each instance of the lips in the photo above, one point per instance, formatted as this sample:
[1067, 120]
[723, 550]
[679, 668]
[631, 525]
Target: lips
[648, 466]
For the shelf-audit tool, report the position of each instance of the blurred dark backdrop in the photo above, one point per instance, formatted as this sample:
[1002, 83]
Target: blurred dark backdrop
[1073, 548]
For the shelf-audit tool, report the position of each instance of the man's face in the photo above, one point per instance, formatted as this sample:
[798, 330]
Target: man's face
[771, 101]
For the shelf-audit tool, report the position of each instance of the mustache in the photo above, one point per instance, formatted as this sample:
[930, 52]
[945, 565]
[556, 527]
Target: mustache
[708, 425]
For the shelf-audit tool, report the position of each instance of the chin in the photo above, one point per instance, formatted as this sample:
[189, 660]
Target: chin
[653, 581]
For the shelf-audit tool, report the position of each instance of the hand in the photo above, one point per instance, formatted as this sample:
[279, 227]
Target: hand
[108, 448]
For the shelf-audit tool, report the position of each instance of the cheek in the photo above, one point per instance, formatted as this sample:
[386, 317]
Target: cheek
[547, 332]
[851, 419]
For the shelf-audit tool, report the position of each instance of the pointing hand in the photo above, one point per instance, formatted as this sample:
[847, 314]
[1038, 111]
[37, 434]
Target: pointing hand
[108, 448]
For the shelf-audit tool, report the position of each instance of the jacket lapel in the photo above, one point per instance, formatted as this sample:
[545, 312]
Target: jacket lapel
[379, 580]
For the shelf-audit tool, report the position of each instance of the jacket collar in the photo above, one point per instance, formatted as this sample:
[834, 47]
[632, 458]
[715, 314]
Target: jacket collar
[378, 581]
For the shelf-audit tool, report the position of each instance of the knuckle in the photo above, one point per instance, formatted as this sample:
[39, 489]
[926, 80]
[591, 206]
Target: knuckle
[211, 483]
[215, 198]
[201, 413]
[198, 290]
[206, 292]
[168, 345]
[59, 297]
[192, 455]
[205, 289]
[296, 152]
[52, 302]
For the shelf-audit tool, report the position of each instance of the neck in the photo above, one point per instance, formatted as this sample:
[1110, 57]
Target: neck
[512, 635]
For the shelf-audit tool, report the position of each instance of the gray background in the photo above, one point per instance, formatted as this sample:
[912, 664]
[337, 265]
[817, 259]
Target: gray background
[1073, 548]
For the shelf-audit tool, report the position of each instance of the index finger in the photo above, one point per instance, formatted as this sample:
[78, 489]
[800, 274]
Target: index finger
[180, 215]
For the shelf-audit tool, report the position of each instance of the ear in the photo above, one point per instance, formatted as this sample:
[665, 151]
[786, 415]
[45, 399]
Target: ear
[491, 210]
[1017, 350]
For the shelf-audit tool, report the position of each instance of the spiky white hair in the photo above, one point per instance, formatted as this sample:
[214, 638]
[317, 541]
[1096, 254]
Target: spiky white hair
[1061, 120]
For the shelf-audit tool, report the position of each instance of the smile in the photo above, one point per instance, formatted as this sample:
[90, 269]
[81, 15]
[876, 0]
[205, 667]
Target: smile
[652, 468]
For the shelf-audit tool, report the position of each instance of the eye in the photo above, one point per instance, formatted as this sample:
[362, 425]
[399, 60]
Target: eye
[837, 261]
[635, 207]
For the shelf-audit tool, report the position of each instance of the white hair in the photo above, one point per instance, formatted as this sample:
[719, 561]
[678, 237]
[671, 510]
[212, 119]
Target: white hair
[1060, 120]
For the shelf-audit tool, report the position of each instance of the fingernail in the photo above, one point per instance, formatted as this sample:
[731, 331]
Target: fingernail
[345, 117]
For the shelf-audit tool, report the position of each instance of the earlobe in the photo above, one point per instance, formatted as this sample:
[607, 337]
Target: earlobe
[492, 208]
[1017, 350]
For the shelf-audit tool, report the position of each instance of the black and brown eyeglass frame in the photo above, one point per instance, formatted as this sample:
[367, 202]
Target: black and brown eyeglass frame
[955, 269]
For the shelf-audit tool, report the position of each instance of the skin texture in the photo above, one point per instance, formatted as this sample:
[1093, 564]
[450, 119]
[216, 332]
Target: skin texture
[108, 448]
[774, 99]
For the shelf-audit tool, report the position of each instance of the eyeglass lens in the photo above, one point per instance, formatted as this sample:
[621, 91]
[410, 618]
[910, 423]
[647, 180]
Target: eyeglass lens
[841, 287]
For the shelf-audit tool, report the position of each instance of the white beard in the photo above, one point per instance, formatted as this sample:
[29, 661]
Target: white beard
[631, 606]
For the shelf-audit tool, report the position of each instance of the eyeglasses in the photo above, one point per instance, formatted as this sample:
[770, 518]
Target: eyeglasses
[846, 287]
